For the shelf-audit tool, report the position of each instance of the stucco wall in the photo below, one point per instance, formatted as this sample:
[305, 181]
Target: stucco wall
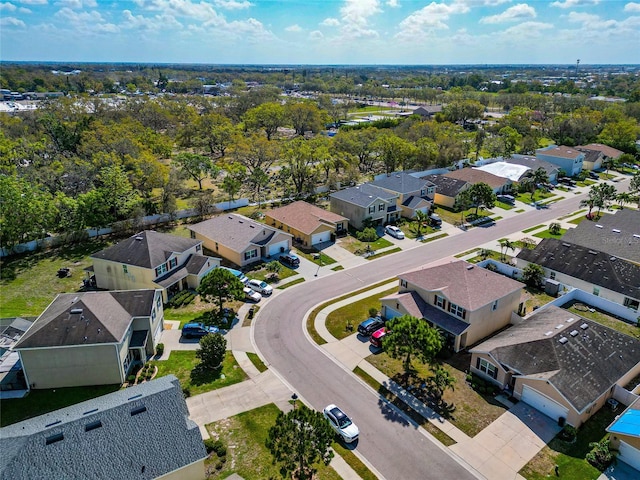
[195, 471]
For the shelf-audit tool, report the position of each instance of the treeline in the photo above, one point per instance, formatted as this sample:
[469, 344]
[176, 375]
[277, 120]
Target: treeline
[87, 161]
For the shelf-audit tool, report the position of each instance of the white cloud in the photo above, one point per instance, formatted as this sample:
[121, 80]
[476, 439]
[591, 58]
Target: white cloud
[393, 3]
[355, 17]
[480, 3]
[522, 11]
[158, 22]
[11, 22]
[330, 22]
[77, 4]
[203, 12]
[33, 2]
[574, 3]
[426, 21]
[10, 7]
[294, 28]
[526, 30]
[316, 35]
[632, 7]
[233, 4]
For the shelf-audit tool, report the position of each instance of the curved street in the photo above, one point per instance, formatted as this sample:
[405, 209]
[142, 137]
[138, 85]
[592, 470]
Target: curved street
[394, 446]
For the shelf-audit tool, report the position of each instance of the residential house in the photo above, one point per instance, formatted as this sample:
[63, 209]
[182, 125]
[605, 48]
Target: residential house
[569, 159]
[533, 163]
[427, 111]
[473, 175]
[241, 240]
[310, 225]
[447, 189]
[365, 202]
[465, 301]
[140, 433]
[512, 171]
[91, 338]
[616, 234]
[596, 154]
[152, 259]
[592, 271]
[624, 434]
[563, 365]
[414, 194]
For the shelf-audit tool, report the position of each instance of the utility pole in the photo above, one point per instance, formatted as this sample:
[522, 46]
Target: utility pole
[577, 65]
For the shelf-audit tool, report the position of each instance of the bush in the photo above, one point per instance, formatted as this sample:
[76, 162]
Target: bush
[568, 433]
[600, 456]
[373, 312]
[131, 378]
[215, 446]
[367, 235]
[186, 392]
[160, 349]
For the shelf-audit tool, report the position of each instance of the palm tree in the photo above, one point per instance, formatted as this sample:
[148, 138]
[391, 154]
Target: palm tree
[440, 381]
[623, 198]
[534, 178]
[420, 219]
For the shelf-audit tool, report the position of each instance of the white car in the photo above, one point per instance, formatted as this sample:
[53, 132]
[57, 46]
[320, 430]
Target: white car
[394, 231]
[251, 294]
[341, 423]
[261, 287]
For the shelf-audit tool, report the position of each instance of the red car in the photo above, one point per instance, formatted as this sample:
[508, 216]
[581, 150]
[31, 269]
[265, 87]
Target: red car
[377, 336]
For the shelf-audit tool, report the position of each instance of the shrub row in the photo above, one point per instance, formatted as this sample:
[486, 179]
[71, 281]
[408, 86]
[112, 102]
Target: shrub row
[185, 297]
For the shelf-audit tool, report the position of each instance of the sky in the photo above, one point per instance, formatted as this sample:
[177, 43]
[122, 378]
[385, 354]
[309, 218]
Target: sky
[321, 32]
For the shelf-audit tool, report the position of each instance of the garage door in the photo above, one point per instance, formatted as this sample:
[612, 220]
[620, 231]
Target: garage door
[278, 247]
[320, 237]
[543, 403]
[629, 455]
[390, 313]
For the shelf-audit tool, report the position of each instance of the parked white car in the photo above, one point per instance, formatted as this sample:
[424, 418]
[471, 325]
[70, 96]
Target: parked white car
[263, 288]
[341, 423]
[251, 295]
[394, 231]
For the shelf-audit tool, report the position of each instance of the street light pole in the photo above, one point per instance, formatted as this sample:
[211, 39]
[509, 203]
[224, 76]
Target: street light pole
[294, 397]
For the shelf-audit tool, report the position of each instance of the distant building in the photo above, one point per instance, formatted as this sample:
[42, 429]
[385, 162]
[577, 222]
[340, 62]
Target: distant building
[569, 159]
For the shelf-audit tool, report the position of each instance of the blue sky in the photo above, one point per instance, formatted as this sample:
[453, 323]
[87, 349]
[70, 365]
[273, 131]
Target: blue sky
[321, 32]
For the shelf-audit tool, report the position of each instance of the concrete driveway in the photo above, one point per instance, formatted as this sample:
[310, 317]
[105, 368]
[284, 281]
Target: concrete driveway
[499, 451]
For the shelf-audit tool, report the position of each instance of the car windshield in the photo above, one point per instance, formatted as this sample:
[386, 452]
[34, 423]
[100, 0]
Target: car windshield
[263, 284]
[343, 420]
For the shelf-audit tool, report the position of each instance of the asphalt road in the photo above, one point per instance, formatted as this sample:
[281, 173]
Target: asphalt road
[394, 446]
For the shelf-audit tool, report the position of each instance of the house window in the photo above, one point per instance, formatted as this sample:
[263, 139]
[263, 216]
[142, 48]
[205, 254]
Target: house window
[173, 263]
[631, 303]
[457, 310]
[216, 245]
[161, 269]
[439, 301]
[153, 315]
[403, 283]
[552, 275]
[158, 301]
[486, 367]
[381, 207]
[596, 291]
[124, 269]
[495, 305]
[250, 254]
[372, 209]
[198, 247]
[125, 364]
[423, 193]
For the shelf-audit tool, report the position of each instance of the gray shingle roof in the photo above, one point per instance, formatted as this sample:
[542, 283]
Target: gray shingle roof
[104, 318]
[533, 163]
[152, 249]
[464, 284]
[363, 195]
[592, 266]
[402, 183]
[447, 186]
[152, 443]
[238, 232]
[621, 243]
[582, 369]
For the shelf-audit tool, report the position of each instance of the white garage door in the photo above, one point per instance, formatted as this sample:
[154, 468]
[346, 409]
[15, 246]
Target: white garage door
[629, 455]
[543, 403]
[320, 237]
[278, 247]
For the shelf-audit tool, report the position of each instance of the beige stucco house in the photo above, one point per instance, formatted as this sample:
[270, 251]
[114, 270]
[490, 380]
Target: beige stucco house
[596, 154]
[447, 189]
[241, 240]
[414, 194]
[365, 202]
[142, 432]
[151, 259]
[558, 362]
[309, 225]
[91, 338]
[466, 302]
[624, 433]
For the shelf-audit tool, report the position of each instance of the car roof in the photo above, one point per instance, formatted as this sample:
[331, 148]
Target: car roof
[369, 321]
[193, 325]
[379, 333]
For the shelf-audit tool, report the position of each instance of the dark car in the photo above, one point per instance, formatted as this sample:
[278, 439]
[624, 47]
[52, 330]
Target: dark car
[370, 325]
[435, 220]
[196, 330]
[594, 175]
[290, 259]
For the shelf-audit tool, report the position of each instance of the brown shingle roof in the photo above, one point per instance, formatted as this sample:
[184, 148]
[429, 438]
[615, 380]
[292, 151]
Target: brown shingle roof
[605, 149]
[561, 152]
[304, 217]
[464, 284]
[237, 231]
[473, 176]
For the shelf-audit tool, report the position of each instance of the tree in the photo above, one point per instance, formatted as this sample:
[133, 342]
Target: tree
[234, 180]
[394, 151]
[298, 440]
[505, 246]
[439, 381]
[196, 166]
[420, 219]
[213, 347]
[305, 116]
[221, 285]
[634, 187]
[203, 204]
[533, 179]
[411, 337]
[510, 140]
[533, 274]
[267, 116]
[481, 194]
[555, 228]
[463, 111]
[462, 203]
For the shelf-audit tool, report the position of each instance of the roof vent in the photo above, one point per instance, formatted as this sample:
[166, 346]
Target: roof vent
[52, 423]
[469, 267]
[548, 333]
[138, 410]
[563, 340]
[558, 327]
[592, 252]
[139, 239]
[598, 226]
[76, 311]
[90, 411]
[613, 259]
[569, 320]
[636, 235]
[85, 339]
[75, 299]
[615, 230]
[54, 438]
[92, 426]
[252, 226]
[135, 396]
[574, 333]
[584, 326]
[566, 245]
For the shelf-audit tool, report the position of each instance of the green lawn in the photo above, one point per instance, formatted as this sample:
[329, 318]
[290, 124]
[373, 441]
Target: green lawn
[39, 402]
[291, 283]
[385, 253]
[531, 229]
[352, 244]
[468, 252]
[572, 214]
[570, 456]
[317, 258]
[504, 206]
[245, 435]
[548, 234]
[435, 237]
[355, 313]
[181, 363]
[259, 364]
[260, 272]
[578, 220]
